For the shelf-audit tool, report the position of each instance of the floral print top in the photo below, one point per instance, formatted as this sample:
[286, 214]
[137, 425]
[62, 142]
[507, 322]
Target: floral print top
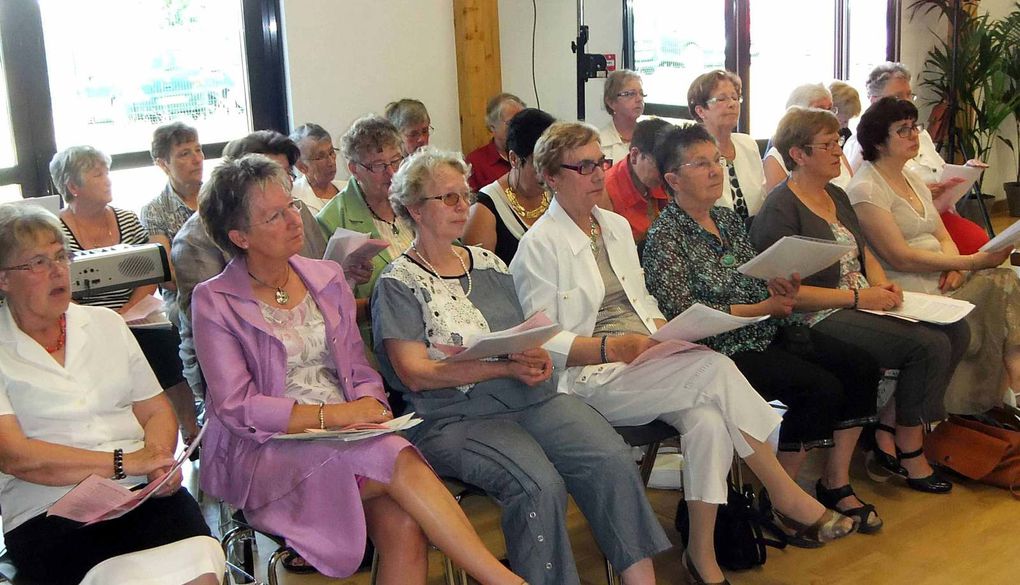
[850, 276]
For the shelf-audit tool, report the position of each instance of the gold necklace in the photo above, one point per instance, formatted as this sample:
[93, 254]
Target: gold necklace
[90, 240]
[282, 296]
[515, 204]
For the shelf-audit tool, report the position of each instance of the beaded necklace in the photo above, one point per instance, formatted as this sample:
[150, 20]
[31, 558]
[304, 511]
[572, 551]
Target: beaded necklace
[433, 270]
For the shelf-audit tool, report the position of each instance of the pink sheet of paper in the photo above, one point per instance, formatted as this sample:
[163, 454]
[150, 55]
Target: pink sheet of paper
[664, 349]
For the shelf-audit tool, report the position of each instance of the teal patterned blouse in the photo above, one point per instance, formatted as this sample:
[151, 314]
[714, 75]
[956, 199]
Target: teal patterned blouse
[685, 264]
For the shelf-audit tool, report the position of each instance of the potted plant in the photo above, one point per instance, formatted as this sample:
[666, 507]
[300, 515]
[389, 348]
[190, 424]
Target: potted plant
[1009, 40]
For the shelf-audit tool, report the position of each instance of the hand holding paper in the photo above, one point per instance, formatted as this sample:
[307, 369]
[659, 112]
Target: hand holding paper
[351, 249]
[528, 335]
[794, 255]
[953, 184]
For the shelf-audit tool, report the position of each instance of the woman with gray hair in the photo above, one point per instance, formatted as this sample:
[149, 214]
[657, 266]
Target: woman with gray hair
[412, 121]
[278, 344]
[499, 424]
[811, 95]
[317, 184]
[624, 98]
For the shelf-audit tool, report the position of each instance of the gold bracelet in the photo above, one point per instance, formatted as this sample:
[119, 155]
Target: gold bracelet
[322, 415]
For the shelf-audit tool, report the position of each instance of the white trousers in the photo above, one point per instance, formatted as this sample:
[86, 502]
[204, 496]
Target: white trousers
[170, 564]
[699, 392]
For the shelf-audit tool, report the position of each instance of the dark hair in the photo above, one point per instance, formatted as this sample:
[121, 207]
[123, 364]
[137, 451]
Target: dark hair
[645, 133]
[873, 128]
[167, 136]
[225, 199]
[524, 129]
[671, 147]
[263, 142]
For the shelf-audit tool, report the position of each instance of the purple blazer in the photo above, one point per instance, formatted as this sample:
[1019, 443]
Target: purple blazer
[245, 368]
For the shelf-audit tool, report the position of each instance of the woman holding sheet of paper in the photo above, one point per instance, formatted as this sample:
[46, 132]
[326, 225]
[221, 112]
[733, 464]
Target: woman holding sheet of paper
[276, 337]
[579, 264]
[691, 256]
[896, 212]
[807, 204]
[78, 399]
[499, 424]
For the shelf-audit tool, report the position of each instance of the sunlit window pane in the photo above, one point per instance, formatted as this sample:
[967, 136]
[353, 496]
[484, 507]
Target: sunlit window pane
[784, 56]
[8, 156]
[119, 69]
[674, 42]
[10, 192]
[867, 41]
[133, 188]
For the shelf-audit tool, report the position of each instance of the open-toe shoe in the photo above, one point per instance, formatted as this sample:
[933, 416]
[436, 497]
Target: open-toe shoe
[823, 530]
[868, 521]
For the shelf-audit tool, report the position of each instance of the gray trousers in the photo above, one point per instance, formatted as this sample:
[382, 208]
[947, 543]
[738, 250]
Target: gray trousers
[926, 356]
[528, 460]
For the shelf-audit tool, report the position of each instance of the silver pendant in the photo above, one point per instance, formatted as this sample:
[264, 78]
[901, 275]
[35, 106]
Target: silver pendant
[282, 298]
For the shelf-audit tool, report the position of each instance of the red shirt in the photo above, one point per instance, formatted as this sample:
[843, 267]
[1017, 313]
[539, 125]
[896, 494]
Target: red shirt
[628, 201]
[486, 166]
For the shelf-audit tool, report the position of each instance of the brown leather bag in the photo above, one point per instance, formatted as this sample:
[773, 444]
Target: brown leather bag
[988, 452]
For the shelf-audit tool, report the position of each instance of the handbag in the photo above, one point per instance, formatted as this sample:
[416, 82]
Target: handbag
[984, 447]
[739, 542]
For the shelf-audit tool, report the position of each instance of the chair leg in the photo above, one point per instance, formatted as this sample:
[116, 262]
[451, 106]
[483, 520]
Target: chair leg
[449, 571]
[611, 578]
[244, 537]
[648, 462]
[462, 576]
[273, 561]
[374, 573]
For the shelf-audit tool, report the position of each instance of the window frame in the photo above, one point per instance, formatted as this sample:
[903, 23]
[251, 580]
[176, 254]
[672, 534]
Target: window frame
[737, 17]
[31, 107]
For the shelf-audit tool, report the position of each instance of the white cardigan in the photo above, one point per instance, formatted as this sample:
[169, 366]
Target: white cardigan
[750, 175]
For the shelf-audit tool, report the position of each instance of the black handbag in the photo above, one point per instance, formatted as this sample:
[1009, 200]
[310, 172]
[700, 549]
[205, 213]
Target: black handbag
[739, 541]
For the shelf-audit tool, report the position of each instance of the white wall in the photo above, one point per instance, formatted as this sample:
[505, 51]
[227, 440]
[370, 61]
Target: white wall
[346, 59]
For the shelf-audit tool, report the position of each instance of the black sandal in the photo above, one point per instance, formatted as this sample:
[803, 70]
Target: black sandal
[295, 563]
[932, 484]
[829, 497]
[888, 464]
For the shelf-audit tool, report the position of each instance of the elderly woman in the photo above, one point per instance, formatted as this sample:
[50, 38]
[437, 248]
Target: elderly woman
[624, 99]
[499, 424]
[317, 184]
[812, 95]
[412, 120]
[807, 204]
[898, 217]
[77, 399]
[278, 344]
[714, 99]
[508, 206]
[579, 264]
[846, 103]
[691, 256]
[491, 161]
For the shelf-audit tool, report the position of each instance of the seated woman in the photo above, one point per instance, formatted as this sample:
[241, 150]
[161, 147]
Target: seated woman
[714, 100]
[900, 221]
[499, 424]
[807, 204]
[278, 345]
[811, 95]
[317, 184]
[624, 98]
[507, 207]
[579, 264]
[846, 104]
[691, 256]
[412, 121]
[81, 175]
[77, 399]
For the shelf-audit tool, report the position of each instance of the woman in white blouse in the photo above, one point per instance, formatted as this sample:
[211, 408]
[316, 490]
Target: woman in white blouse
[624, 98]
[903, 226]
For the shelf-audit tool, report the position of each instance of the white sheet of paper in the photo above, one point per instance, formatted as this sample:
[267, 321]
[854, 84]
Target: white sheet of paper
[530, 334]
[665, 349]
[929, 308]
[699, 322]
[1008, 237]
[794, 254]
[350, 248]
[970, 175]
[391, 426]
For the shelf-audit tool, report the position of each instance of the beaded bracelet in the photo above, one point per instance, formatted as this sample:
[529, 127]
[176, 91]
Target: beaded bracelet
[118, 464]
[322, 415]
[857, 297]
[602, 349]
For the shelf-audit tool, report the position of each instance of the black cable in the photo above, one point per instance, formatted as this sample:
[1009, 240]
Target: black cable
[534, 26]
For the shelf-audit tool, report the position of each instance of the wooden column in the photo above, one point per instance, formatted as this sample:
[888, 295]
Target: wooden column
[479, 76]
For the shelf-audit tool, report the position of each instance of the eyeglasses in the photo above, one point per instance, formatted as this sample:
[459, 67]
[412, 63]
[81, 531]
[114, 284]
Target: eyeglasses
[832, 147]
[379, 167]
[329, 154]
[452, 198]
[702, 165]
[724, 99]
[419, 134]
[587, 167]
[43, 264]
[277, 217]
[631, 93]
[909, 130]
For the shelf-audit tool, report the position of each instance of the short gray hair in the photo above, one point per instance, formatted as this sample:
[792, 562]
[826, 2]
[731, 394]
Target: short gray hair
[70, 164]
[371, 133]
[406, 112]
[407, 188]
[805, 95]
[225, 200]
[21, 226]
[312, 131]
[494, 107]
[880, 76]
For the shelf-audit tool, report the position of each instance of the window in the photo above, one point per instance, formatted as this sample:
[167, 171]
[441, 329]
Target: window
[107, 72]
[766, 42]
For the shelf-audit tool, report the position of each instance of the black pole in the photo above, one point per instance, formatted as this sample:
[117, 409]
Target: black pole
[582, 67]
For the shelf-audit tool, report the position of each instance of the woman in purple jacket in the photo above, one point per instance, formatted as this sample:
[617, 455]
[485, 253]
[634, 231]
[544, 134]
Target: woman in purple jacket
[277, 340]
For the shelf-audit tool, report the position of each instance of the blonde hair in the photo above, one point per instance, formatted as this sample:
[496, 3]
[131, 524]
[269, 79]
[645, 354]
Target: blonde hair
[554, 143]
[703, 85]
[846, 99]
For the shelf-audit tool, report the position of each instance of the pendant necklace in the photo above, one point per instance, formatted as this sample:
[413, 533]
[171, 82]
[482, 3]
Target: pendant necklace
[436, 272]
[593, 235]
[392, 224]
[282, 296]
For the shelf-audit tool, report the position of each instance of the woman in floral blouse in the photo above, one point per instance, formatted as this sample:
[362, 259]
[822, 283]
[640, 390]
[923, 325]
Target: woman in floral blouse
[692, 255]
